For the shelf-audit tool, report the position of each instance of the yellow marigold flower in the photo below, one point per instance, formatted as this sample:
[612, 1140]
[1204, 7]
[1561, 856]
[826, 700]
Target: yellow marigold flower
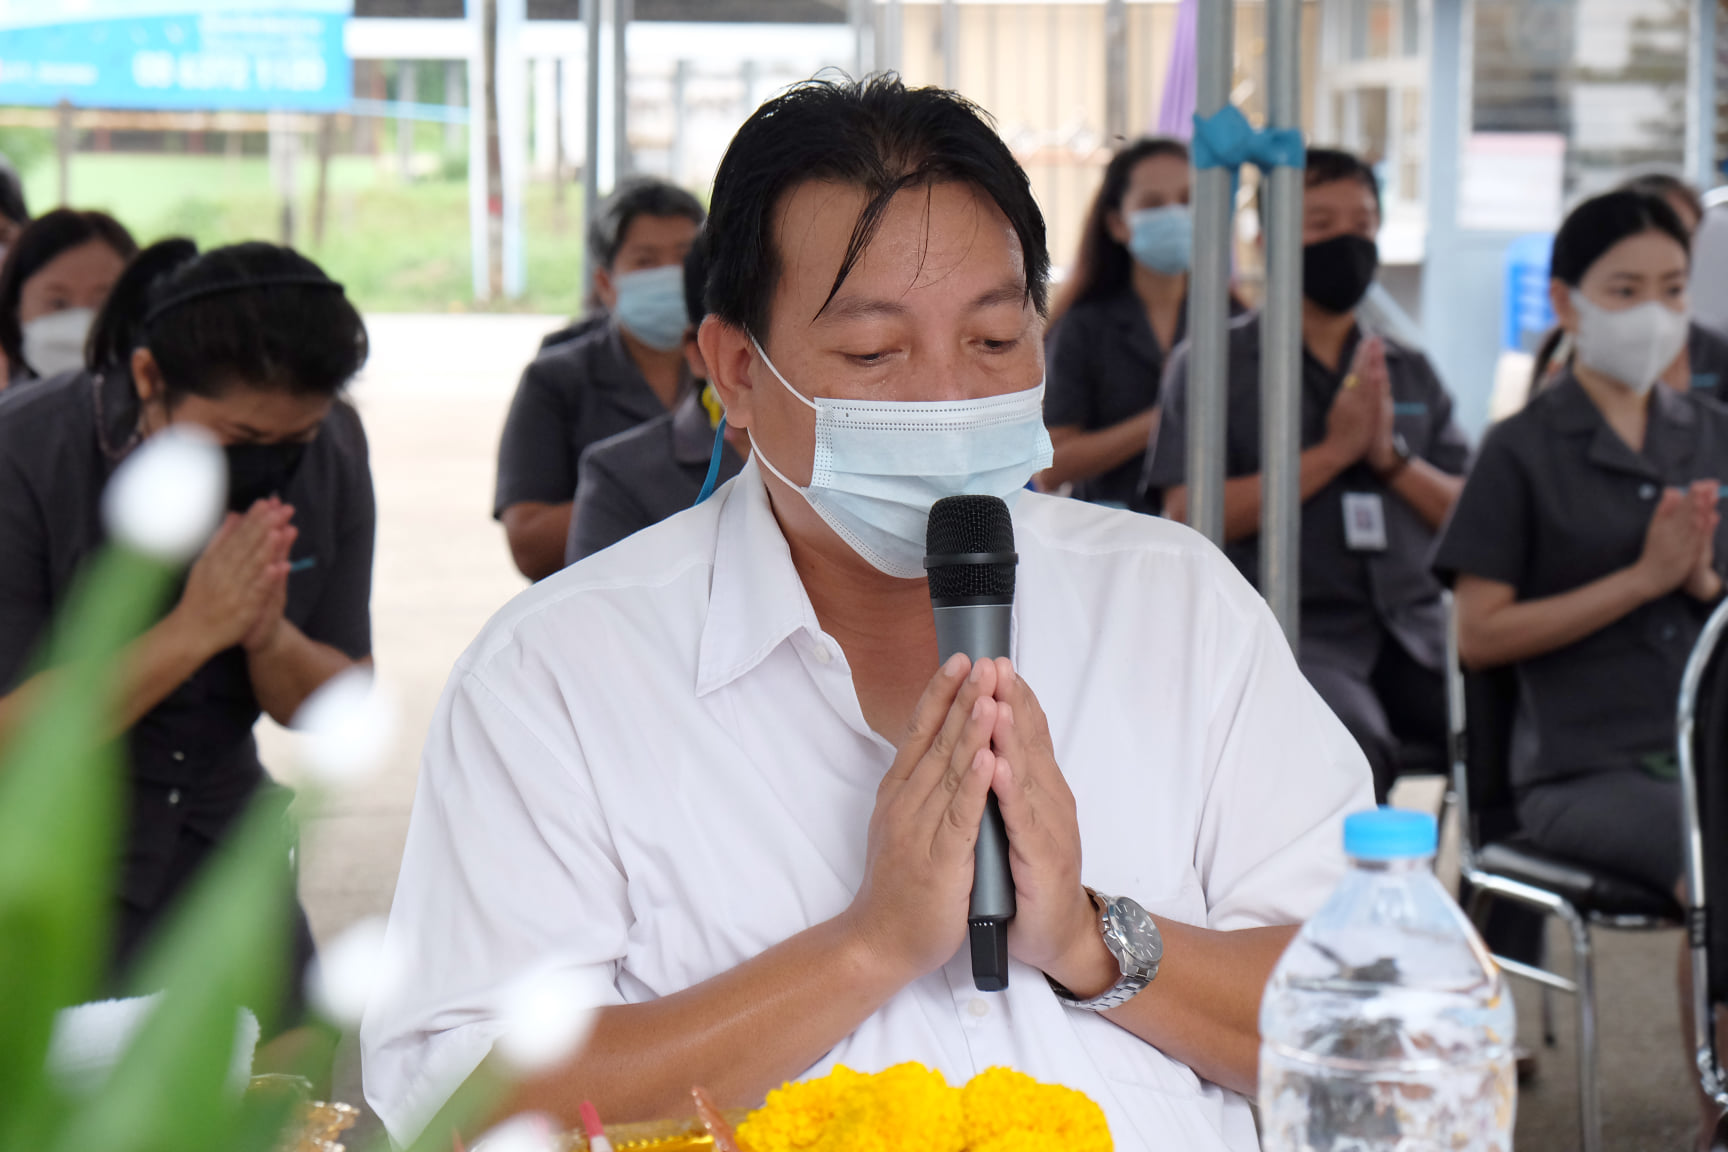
[1008, 1111]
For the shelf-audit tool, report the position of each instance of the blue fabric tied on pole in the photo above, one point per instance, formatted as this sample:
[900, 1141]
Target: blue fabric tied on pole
[1225, 139]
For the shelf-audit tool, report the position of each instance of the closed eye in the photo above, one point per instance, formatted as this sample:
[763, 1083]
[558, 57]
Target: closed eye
[1001, 345]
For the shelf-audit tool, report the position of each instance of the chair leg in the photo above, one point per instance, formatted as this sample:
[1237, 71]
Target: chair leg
[1584, 973]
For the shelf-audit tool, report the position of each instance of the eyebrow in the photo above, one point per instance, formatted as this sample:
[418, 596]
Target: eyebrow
[866, 308]
[258, 434]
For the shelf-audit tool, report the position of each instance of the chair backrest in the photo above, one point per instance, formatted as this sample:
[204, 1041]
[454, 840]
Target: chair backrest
[1484, 753]
[1709, 709]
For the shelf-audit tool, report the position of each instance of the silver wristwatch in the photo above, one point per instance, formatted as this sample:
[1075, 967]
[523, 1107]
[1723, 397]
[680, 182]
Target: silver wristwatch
[1133, 938]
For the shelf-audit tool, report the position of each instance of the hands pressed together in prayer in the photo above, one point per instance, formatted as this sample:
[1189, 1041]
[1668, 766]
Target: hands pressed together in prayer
[978, 728]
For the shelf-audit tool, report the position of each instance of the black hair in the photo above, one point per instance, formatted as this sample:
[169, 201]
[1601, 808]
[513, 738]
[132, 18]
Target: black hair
[875, 134]
[42, 241]
[12, 205]
[255, 314]
[696, 280]
[1589, 231]
[1668, 188]
[1103, 267]
[1329, 166]
[638, 196]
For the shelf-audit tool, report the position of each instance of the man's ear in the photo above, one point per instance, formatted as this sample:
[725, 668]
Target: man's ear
[605, 289]
[726, 351]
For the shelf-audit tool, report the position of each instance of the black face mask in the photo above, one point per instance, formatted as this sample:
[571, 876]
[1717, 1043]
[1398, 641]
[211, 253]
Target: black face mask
[259, 471]
[1336, 273]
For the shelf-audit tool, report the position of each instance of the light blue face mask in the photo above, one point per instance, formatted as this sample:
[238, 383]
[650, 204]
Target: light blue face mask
[879, 465]
[1162, 239]
[651, 306]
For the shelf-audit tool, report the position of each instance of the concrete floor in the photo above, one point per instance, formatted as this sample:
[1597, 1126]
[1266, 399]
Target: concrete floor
[434, 398]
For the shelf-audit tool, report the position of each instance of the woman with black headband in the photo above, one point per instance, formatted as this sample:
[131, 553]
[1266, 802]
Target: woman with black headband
[254, 344]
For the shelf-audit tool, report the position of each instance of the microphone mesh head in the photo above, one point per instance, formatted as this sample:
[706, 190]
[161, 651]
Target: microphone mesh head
[962, 525]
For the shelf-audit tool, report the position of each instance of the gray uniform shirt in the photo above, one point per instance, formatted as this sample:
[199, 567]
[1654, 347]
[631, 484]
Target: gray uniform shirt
[1557, 500]
[192, 758]
[572, 396]
[642, 476]
[1347, 598]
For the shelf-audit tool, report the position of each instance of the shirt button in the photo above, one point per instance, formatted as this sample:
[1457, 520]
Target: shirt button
[173, 796]
[979, 1007]
[1647, 492]
[178, 755]
[823, 656]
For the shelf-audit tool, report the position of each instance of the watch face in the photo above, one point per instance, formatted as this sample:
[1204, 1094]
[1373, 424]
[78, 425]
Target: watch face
[1139, 934]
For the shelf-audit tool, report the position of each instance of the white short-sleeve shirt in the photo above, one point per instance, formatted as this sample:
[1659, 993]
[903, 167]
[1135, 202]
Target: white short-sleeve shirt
[653, 766]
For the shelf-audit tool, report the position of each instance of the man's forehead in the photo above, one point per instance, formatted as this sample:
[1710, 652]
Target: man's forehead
[1347, 192]
[933, 228]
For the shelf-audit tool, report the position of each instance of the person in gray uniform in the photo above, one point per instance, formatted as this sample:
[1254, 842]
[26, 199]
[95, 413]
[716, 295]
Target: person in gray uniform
[611, 378]
[1587, 550]
[1382, 462]
[642, 476]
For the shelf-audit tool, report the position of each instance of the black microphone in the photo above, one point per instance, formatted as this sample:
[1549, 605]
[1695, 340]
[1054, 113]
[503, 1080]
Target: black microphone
[970, 562]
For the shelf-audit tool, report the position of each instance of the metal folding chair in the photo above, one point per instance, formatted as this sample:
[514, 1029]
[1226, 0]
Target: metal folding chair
[1499, 863]
[1702, 750]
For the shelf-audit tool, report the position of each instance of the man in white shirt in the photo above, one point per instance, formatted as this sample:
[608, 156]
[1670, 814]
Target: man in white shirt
[716, 770]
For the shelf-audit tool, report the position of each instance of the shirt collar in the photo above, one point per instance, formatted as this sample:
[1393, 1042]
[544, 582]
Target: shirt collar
[1668, 436]
[756, 599]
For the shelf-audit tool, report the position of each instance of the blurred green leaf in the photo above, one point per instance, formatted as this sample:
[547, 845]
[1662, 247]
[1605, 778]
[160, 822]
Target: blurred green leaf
[60, 811]
[224, 947]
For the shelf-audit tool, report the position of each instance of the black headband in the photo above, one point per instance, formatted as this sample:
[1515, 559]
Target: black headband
[247, 285]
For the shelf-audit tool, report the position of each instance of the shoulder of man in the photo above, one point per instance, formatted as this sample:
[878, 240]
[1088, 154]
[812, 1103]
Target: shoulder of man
[646, 447]
[589, 357]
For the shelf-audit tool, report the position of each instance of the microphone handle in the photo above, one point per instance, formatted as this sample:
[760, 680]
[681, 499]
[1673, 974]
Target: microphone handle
[981, 631]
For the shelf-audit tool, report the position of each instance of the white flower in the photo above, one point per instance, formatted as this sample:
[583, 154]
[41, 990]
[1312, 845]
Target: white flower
[348, 726]
[546, 1016]
[355, 968]
[524, 1132]
[166, 498]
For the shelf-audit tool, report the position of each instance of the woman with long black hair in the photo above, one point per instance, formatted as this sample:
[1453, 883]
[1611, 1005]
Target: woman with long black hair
[1118, 316]
[253, 344]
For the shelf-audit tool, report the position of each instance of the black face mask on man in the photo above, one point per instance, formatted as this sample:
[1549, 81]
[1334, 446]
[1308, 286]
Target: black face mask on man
[259, 471]
[1336, 273]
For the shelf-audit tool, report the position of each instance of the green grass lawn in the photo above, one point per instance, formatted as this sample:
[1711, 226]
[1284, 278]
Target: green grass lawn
[399, 247]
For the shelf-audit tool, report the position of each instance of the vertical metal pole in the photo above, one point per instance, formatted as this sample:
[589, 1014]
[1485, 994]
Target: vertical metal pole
[621, 13]
[680, 85]
[950, 44]
[63, 149]
[479, 217]
[1115, 71]
[1281, 333]
[1209, 290]
[453, 98]
[407, 92]
[863, 18]
[591, 142]
[512, 87]
[1701, 96]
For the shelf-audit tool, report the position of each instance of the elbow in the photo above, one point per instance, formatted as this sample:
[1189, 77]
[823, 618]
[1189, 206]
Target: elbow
[1477, 652]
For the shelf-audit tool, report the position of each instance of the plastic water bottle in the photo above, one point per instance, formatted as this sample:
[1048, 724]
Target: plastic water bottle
[1386, 1026]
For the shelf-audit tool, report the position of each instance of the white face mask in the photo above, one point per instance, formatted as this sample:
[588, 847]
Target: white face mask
[55, 343]
[1634, 345]
[879, 465]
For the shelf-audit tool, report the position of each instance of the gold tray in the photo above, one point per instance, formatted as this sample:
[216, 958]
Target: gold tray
[660, 1135]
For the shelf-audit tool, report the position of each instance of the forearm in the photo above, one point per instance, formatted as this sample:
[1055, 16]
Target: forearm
[1428, 490]
[739, 1034]
[289, 668]
[1244, 498]
[151, 668]
[1083, 455]
[1524, 629]
[537, 534]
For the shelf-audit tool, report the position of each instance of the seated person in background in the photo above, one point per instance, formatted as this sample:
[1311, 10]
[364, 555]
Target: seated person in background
[1115, 320]
[1381, 466]
[1703, 363]
[620, 374]
[716, 773]
[642, 476]
[1586, 550]
[57, 274]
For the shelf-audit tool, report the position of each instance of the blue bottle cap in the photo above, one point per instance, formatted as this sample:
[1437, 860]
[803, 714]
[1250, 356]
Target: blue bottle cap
[1390, 834]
